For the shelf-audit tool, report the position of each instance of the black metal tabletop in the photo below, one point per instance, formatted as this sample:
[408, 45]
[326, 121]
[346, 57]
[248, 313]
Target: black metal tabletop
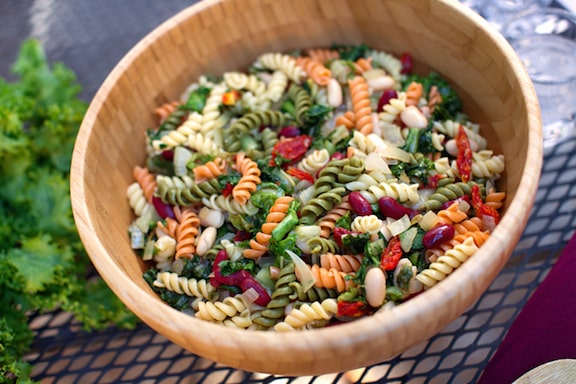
[90, 37]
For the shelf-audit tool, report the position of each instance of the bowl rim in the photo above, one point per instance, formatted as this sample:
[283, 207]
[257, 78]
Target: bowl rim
[383, 324]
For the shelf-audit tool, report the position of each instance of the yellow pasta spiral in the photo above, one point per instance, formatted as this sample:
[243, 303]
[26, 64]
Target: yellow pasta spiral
[220, 310]
[447, 263]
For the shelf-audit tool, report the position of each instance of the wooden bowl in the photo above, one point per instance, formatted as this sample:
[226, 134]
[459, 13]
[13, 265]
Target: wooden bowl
[215, 36]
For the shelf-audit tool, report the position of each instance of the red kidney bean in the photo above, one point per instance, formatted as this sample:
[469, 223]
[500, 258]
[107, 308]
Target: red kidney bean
[263, 296]
[290, 131]
[337, 156]
[387, 95]
[164, 210]
[168, 154]
[389, 207]
[340, 232]
[407, 63]
[359, 204]
[438, 235]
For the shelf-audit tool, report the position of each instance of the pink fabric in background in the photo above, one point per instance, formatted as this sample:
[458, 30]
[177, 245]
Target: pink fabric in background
[545, 328]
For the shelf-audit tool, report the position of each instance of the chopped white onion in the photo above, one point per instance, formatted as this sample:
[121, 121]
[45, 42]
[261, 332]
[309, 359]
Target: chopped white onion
[136, 237]
[464, 206]
[375, 162]
[396, 227]
[306, 195]
[303, 272]
[148, 250]
[489, 223]
[395, 154]
[428, 221]
[407, 239]
[250, 295]
[305, 233]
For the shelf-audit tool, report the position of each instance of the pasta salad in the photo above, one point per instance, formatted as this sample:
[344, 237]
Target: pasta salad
[314, 188]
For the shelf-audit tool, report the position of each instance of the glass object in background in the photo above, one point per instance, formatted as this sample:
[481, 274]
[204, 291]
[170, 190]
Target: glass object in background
[498, 12]
[545, 41]
[475, 5]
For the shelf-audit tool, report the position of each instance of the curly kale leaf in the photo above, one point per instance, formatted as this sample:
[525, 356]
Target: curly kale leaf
[43, 264]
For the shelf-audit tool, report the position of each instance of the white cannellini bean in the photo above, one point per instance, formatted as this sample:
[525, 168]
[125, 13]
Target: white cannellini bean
[413, 118]
[334, 93]
[451, 147]
[206, 241]
[375, 285]
[211, 217]
[380, 83]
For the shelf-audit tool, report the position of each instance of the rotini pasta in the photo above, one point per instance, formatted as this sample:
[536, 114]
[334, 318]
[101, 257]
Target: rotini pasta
[249, 180]
[301, 192]
[361, 104]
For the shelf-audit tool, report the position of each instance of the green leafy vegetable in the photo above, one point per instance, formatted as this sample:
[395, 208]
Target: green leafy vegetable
[42, 262]
[355, 243]
[197, 99]
[450, 106]
[228, 267]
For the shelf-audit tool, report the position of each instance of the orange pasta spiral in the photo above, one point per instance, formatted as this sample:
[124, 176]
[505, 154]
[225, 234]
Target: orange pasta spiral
[259, 245]
[146, 180]
[186, 234]
[479, 237]
[331, 278]
[315, 70]
[471, 225]
[209, 170]
[328, 222]
[362, 65]
[347, 120]
[451, 215]
[163, 111]
[169, 226]
[249, 180]
[495, 199]
[414, 93]
[361, 104]
[322, 55]
[434, 98]
[342, 263]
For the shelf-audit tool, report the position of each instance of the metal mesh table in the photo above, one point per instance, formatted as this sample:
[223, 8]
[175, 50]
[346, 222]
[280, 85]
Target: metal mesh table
[90, 37]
